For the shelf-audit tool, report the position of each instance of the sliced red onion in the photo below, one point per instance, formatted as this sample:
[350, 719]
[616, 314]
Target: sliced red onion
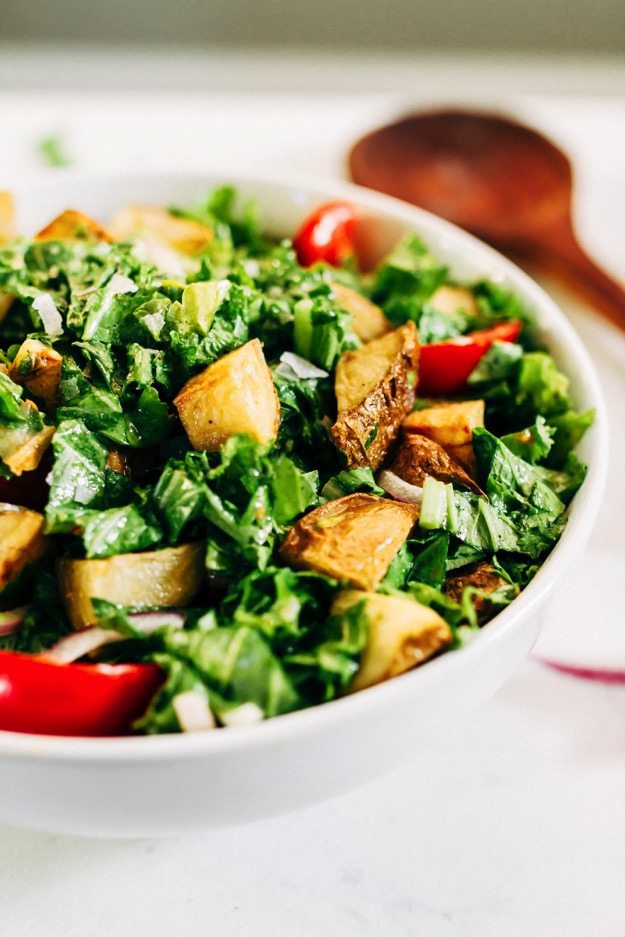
[11, 621]
[49, 315]
[397, 488]
[601, 675]
[247, 714]
[79, 643]
[193, 712]
[300, 367]
[73, 646]
[147, 622]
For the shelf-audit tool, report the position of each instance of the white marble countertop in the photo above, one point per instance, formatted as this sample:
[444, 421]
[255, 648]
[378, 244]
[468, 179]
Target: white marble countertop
[515, 824]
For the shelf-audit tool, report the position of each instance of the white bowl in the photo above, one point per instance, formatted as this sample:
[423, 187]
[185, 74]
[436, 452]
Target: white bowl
[181, 783]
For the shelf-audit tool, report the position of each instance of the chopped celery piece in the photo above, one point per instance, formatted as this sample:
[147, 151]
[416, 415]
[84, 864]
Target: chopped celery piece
[433, 505]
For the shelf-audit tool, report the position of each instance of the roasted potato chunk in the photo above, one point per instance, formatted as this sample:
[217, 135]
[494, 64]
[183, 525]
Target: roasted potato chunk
[480, 576]
[236, 394]
[369, 320]
[184, 235]
[21, 540]
[38, 368]
[160, 579]
[419, 457]
[7, 233]
[22, 449]
[448, 424]
[73, 225]
[451, 425]
[375, 390]
[6, 301]
[451, 299]
[7, 217]
[402, 634]
[353, 538]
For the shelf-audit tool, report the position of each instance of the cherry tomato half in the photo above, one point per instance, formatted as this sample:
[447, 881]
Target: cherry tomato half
[43, 697]
[445, 366]
[327, 235]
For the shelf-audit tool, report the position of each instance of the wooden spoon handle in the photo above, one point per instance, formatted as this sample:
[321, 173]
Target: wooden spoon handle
[565, 259]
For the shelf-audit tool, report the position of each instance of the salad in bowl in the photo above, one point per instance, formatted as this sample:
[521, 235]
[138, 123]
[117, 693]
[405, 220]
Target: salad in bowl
[243, 475]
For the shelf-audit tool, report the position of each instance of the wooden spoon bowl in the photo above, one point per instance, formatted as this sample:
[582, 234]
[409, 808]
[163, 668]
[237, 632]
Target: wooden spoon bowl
[499, 179]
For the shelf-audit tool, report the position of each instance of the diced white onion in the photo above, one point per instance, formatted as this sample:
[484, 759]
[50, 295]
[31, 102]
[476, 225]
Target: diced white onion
[50, 316]
[251, 267]
[11, 621]
[147, 622]
[79, 643]
[163, 257]
[300, 367]
[247, 714]
[193, 712]
[119, 284]
[397, 488]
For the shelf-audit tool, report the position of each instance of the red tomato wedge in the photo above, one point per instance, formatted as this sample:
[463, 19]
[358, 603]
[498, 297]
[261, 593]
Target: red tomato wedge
[445, 366]
[327, 235]
[39, 696]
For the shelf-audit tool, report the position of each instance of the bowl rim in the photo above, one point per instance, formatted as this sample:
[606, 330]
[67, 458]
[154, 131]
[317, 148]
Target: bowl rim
[149, 748]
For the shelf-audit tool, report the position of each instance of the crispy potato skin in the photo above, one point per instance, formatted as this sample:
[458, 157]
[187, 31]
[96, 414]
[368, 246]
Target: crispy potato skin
[464, 456]
[353, 538]
[451, 299]
[163, 578]
[448, 424]
[73, 225]
[369, 320]
[38, 368]
[451, 425]
[374, 391]
[21, 540]
[184, 235]
[480, 576]
[236, 394]
[419, 457]
[402, 634]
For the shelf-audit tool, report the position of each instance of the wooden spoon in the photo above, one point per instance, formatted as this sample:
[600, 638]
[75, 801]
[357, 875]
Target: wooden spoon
[502, 181]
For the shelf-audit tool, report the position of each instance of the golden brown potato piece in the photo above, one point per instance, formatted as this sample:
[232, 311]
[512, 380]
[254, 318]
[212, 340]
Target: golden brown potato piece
[402, 634]
[38, 368]
[6, 301]
[22, 449]
[451, 299]
[184, 235]
[369, 320]
[160, 579]
[353, 538]
[448, 424]
[464, 456]
[117, 462]
[236, 394]
[451, 425]
[21, 540]
[419, 457]
[73, 225]
[375, 390]
[480, 576]
[7, 233]
[7, 217]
